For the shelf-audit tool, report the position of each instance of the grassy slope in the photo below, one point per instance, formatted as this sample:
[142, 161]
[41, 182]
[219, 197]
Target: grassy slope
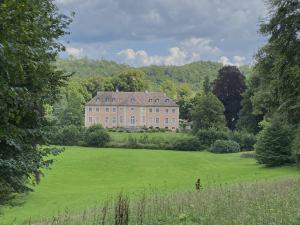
[81, 176]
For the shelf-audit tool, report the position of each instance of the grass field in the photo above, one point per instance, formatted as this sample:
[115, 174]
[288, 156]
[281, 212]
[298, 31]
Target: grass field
[83, 176]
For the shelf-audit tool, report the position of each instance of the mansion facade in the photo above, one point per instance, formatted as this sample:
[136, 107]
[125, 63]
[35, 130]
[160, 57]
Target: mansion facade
[132, 110]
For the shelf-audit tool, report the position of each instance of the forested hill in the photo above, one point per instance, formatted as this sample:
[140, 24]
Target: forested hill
[192, 73]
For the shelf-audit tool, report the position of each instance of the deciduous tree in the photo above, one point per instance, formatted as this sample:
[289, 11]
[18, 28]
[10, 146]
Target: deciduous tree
[28, 81]
[229, 87]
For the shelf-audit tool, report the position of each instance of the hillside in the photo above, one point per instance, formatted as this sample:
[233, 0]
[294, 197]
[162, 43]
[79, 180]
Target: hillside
[192, 73]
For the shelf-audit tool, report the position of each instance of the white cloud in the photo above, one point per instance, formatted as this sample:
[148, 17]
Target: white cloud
[189, 50]
[236, 61]
[75, 52]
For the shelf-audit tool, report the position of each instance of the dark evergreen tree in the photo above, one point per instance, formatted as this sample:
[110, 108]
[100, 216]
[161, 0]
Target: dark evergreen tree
[273, 146]
[28, 82]
[229, 87]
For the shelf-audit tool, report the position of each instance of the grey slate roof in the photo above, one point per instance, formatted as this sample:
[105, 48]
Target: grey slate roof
[131, 99]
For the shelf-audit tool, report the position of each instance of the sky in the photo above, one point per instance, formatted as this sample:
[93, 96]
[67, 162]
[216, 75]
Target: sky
[164, 32]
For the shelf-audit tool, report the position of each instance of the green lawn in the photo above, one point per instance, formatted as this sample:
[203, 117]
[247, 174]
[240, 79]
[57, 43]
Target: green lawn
[82, 176]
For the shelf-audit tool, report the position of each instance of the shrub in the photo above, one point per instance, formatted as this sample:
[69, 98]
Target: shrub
[209, 136]
[273, 146]
[188, 144]
[132, 142]
[96, 136]
[71, 135]
[246, 140]
[225, 146]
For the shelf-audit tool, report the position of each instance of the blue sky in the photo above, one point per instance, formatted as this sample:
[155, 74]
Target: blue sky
[164, 32]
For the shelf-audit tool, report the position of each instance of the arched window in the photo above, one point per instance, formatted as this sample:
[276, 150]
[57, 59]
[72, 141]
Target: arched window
[132, 120]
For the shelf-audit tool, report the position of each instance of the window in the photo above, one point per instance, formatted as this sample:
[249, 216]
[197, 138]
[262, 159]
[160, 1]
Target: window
[107, 99]
[132, 109]
[113, 100]
[150, 121]
[167, 100]
[106, 120]
[106, 109]
[114, 109]
[114, 120]
[157, 100]
[157, 110]
[97, 109]
[97, 99]
[90, 119]
[132, 120]
[156, 120]
[167, 110]
[150, 100]
[173, 120]
[166, 120]
[90, 109]
[173, 110]
[132, 100]
[121, 119]
[121, 109]
[150, 110]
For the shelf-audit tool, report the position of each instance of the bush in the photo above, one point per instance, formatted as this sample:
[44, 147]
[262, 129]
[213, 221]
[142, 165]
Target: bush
[225, 146]
[209, 136]
[273, 146]
[96, 136]
[71, 135]
[246, 140]
[188, 144]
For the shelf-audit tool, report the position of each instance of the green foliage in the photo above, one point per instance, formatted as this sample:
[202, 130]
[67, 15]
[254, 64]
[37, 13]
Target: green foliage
[96, 136]
[277, 69]
[192, 73]
[90, 68]
[188, 144]
[130, 80]
[229, 87]
[296, 146]
[207, 113]
[273, 146]
[69, 135]
[245, 140]
[225, 146]
[29, 31]
[247, 119]
[208, 136]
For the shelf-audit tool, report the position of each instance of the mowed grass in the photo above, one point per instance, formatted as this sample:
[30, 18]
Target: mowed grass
[81, 177]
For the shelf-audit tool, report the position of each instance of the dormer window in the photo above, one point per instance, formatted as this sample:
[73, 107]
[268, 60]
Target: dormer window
[150, 100]
[157, 100]
[113, 100]
[107, 99]
[97, 99]
[167, 100]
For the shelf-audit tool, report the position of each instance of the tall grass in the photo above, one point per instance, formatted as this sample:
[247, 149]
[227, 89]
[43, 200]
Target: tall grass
[270, 202]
